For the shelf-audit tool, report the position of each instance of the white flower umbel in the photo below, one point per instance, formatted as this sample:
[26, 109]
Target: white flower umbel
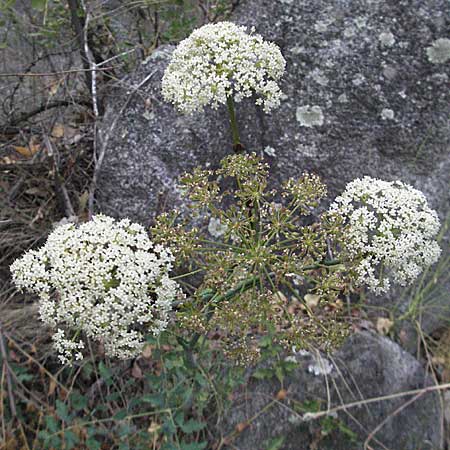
[102, 279]
[391, 231]
[222, 60]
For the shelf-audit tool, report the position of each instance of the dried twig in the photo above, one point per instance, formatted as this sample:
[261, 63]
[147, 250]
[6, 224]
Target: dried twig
[61, 190]
[78, 26]
[60, 72]
[4, 354]
[90, 60]
[389, 417]
[44, 107]
[317, 415]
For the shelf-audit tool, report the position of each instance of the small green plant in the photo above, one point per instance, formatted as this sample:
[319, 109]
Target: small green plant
[260, 248]
[262, 270]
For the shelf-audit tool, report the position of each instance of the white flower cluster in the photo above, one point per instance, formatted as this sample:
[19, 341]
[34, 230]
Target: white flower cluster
[104, 279]
[391, 228]
[222, 60]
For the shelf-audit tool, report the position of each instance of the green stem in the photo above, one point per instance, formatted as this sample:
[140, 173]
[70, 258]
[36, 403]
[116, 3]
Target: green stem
[323, 264]
[209, 295]
[237, 146]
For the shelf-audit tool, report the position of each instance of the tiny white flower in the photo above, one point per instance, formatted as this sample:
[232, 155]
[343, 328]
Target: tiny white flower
[391, 231]
[222, 60]
[310, 116]
[104, 279]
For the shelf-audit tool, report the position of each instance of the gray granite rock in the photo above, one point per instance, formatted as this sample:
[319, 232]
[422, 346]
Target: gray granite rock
[366, 367]
[366, 94]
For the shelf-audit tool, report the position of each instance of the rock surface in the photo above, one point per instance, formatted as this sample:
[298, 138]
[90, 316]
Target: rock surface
[366, 94]
[367, 366]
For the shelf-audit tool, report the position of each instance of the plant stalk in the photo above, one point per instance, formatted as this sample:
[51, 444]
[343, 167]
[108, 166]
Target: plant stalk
[237, 146]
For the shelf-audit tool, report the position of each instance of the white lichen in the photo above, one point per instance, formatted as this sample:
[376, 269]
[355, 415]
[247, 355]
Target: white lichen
[386, 39]
[270, 151]
[342, 98]
[349, 32]
[358, 80]
[439, 51]
[310, 116]
[387, 114]
[318, 76]
[322, 25]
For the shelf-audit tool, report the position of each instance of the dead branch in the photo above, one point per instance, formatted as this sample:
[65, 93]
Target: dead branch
[60, 187]
[44, 107]
[4, 354]
[59, 72]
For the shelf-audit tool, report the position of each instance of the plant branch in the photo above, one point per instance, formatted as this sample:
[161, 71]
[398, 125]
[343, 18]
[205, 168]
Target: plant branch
[4, 354]
[44, 107]
[237, 146]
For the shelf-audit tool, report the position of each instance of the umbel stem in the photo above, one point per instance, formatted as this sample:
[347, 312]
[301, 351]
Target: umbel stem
[237, 146]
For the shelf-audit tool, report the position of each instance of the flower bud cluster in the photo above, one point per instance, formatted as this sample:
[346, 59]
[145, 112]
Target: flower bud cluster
[222, 60]
[104, 279]
[391, 231]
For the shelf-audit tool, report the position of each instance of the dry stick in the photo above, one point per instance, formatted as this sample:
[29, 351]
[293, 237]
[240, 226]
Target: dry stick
[90, 59]
[35, 361]
[59, 184]
[2, 404]
[77, 24]
[312, 416]
[104, 144]
[389, 417]
[59, 72]
[441, 400]
[44, 107]
[4, 354]
[352, 417]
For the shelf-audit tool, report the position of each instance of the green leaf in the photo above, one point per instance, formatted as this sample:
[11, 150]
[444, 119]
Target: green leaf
[52, 424]
[62, 411]
[193, 445]
[289, 366]
[347, 431]
[105, 373]
[88, 369]
[279, 374]
[266, 341]
[169, 427]
[112, 397]
[120, 415]
[263, 374]
[78, 401]
[38, 4]
[191, 426]
[274, 444]
[93, 444]
[70, 439]
[156, 400]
